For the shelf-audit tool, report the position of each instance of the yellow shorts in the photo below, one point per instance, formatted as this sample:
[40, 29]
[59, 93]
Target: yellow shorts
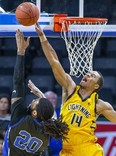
[86, 149]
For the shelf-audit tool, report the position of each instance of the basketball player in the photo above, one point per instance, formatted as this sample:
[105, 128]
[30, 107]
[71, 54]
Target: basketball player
[81, 105]
[55, 145]
[30, 129]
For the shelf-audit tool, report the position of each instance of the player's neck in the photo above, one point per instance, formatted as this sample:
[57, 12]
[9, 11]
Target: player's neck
[84, 92]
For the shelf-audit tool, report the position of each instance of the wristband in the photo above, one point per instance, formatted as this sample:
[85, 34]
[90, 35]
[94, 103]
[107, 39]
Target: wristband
[20, 53]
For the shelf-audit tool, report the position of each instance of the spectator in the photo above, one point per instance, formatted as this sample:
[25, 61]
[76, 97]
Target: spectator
[4, 112]
[52, 97]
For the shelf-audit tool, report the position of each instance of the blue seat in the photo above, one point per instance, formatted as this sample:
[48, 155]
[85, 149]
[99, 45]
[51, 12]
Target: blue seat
[105, 65]
[66, 64]
[9, 46]
[111, 48]
[97, 50]
[41, 66]
[6, 81]
[40, 62]
[5, 90]
[44, 83]
[7, 64]
[110, 82]
[58, 44]
[106, 94]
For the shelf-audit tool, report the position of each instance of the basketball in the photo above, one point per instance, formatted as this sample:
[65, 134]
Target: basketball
[27, 13]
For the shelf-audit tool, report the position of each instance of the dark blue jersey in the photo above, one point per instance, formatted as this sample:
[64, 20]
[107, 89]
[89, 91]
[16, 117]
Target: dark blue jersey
[27, 138]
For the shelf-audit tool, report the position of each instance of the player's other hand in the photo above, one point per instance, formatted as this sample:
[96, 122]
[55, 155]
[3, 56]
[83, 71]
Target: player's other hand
[22, 44]
[38, 29]
[35, 90]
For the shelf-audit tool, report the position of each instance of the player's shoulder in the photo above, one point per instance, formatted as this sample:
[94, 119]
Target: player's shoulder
[71, 84]
[102, 102]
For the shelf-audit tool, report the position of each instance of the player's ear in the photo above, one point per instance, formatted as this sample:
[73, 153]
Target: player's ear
[34, 114]
[96, 86]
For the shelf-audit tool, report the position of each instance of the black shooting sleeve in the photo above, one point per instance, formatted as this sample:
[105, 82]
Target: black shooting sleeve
[18, 108]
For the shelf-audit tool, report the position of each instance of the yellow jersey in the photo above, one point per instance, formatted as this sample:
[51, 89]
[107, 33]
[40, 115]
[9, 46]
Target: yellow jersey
[81, 117]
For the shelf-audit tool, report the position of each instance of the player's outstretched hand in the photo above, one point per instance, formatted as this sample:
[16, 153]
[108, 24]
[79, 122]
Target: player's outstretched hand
[22, 44]
[35, 90]
[38, 29]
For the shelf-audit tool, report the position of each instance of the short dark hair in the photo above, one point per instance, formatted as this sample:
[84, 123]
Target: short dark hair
[44, 109]
[100, 81]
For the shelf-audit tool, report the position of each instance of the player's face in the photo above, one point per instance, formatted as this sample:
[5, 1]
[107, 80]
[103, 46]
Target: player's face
[34, 103]
[90, 80]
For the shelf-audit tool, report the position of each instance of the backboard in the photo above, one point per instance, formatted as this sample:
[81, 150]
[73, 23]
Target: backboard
[9, 24]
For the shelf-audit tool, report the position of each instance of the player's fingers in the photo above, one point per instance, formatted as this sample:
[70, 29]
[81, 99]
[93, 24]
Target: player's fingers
[36, 26]
[29, 82]
[17, 32]
[28, 40]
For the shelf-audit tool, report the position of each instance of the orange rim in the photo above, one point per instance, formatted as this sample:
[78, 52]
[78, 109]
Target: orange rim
[83, 20]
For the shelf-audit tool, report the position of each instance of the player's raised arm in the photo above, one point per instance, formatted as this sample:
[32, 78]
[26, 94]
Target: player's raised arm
[61, 76]
[18, 78]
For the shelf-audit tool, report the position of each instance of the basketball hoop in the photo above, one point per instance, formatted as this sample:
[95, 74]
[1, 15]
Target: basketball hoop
[80, 41]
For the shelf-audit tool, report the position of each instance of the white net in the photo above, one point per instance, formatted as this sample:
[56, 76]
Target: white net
[80, 42]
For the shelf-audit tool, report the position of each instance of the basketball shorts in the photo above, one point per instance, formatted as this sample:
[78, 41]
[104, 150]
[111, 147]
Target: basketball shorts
[86, 149]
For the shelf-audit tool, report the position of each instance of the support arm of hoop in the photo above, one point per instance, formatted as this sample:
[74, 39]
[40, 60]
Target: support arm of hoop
[57, 24]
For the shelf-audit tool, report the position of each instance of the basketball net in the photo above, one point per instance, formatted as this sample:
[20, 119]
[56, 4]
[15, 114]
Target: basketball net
[81, 38]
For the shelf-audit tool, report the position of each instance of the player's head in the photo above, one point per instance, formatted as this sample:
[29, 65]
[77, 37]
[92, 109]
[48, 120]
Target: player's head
[42, 109]
[93, 80]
